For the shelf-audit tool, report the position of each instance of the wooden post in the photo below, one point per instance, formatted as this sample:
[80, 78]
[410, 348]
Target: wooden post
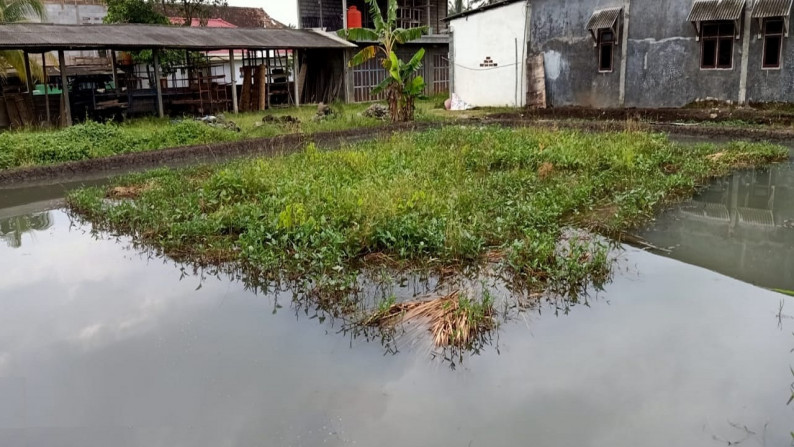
[114, 66]
[261, 87]
[235, 108]
[28, 75]
[158, 87]
[29, 106]
[67, 106]
[46, 87]
[295, 77]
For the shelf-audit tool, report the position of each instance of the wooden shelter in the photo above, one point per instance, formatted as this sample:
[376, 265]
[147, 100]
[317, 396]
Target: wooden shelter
[39, 39]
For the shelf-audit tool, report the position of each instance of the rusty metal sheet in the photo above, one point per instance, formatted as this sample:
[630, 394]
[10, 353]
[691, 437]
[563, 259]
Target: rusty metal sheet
[771, 8]
[603, 18]
[37, 36]
[712, 10]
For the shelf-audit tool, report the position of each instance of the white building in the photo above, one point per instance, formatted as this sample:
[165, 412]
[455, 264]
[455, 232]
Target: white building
[489, 53]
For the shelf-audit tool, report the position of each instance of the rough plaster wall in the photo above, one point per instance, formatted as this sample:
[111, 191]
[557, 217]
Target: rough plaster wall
[769, 85]
[571, 60]
[67, 14]
[76, 14]
[663, 67]
[493, 34]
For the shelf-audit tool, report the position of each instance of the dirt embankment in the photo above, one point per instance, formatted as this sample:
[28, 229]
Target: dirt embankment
[687, 122]
[704, 114]
[725, 122]
[123, 163]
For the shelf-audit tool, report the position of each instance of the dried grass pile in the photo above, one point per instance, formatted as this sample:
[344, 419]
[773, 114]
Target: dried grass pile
[453, 319]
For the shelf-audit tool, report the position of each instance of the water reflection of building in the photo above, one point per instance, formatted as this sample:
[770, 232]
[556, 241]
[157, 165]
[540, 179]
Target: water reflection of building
[742, 225]
[12, 228]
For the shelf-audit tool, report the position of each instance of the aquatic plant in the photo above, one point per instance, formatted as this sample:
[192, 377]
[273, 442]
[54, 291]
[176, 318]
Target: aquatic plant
[452, 200]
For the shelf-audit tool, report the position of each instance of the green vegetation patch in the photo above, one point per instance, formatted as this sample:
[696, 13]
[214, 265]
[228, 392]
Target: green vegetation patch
[450, 198]
[96, 140]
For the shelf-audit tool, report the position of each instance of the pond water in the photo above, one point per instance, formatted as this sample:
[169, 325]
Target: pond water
[742, 226]
[102, 344]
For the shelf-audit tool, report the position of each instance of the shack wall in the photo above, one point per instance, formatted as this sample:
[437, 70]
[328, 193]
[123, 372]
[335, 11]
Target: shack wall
[489, 56]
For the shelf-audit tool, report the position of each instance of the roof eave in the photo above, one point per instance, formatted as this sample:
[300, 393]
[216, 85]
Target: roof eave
[464, 14]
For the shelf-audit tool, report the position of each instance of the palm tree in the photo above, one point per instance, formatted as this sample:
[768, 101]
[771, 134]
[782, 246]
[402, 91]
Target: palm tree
[12, 11]
[401, 84]
[12, 228]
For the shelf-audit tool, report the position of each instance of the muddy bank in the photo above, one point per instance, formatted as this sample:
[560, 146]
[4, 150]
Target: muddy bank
[124, 163]
[593, 121]
[607, 125]
[715, 114]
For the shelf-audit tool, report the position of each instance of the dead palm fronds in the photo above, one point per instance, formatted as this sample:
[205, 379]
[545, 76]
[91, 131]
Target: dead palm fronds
[453, 319]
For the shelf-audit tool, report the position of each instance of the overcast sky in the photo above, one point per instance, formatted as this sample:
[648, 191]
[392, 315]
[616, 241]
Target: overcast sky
[285, 11]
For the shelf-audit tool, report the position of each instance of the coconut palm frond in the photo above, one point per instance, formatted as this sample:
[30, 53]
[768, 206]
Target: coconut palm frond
[16, 60]
[22, 11]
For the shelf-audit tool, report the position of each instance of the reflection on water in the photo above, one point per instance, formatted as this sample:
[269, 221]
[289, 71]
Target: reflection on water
[103, 345]
[12, 228]
[742, 226]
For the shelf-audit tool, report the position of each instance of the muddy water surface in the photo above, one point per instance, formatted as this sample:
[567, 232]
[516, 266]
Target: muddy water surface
[742, 226]
[103, 345]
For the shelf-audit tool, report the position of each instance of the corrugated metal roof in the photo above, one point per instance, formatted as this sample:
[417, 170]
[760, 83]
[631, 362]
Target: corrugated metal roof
[771, 8]
[604, 18]
[37, 36]
[706, 10]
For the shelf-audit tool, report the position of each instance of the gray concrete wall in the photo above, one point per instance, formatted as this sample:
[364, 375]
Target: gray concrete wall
[71, 14]
[557, 29]
[76, 14]
[663, 67]
[662, 63]
[769, 85]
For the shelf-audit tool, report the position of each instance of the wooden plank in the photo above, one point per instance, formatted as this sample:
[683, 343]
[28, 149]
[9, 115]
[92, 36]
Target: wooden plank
[536, 82]
[66, 107]
[261, 86]
[245, 96]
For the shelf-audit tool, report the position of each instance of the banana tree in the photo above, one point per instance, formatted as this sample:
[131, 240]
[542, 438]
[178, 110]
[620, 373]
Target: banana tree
[401, 83]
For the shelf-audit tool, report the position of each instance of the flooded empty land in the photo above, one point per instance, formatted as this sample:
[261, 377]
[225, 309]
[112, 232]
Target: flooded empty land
[102, 343]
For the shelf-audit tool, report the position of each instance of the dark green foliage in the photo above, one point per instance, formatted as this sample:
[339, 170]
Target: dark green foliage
[134, 11]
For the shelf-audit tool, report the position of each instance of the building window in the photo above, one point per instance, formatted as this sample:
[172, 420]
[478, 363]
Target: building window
[773, 42]
[716, 45]
[606, 44]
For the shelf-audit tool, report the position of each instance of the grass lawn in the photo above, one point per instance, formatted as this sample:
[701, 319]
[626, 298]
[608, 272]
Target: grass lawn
[95, 140]
[456, 197]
